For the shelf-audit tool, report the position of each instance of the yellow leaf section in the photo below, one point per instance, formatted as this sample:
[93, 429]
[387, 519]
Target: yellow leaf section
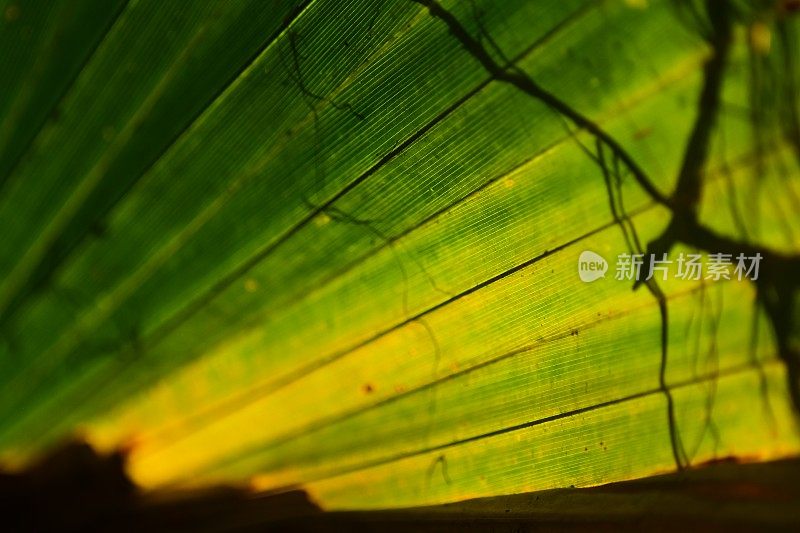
[626, 440]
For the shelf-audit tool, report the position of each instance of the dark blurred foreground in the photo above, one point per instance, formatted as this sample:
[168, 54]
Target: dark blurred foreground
[75, 489]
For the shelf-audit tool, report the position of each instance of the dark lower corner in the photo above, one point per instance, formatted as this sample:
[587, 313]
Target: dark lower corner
[75, 489]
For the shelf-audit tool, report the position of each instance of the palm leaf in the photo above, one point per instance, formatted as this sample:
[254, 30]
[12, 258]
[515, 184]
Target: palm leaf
[334, 245]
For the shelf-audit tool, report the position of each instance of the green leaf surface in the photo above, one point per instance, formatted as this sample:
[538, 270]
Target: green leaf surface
[334, 244]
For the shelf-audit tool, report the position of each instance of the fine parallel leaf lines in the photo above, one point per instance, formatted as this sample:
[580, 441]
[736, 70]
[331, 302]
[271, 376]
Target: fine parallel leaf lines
[37, 251]
[702, 378]
[54, 263]
[237, 400]
[105, 306]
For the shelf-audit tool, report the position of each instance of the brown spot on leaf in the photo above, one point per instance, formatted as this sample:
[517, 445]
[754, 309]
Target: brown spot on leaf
[642, 133]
